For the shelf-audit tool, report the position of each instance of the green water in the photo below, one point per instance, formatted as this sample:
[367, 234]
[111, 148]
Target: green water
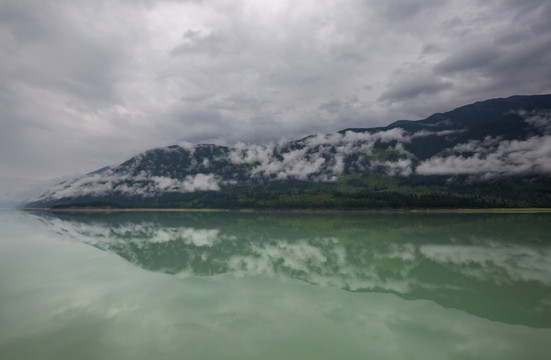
[274, 286]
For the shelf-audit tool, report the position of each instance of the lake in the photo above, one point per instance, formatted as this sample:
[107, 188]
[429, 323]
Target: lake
[274, 286]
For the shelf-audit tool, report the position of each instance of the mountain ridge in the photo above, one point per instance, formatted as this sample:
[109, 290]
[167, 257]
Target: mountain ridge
[504, 140]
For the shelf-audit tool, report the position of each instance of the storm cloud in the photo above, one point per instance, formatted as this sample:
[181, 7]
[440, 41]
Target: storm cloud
[91, 83]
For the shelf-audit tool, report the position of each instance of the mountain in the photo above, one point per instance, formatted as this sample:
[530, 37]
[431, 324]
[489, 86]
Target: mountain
[490, 153]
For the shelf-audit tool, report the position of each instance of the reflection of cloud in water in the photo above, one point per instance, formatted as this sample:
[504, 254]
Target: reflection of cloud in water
[138, 234]
[503, 263]
[462, 267]
[321, 260]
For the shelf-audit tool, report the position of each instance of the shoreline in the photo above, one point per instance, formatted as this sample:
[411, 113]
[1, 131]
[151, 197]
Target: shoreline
[307, 211]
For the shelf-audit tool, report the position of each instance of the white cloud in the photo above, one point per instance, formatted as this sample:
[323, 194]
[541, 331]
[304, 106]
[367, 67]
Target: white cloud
[541, 120]
[320, 157]
[493, 158]
[424, 133]
[141, 185]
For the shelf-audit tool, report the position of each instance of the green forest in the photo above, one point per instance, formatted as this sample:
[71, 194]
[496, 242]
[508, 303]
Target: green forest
[348, 192]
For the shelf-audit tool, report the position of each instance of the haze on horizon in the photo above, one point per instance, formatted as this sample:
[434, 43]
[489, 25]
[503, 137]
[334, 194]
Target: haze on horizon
[91, 83]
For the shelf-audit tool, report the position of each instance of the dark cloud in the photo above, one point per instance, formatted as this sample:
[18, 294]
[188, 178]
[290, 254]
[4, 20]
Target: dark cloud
[470, 57]
[27, 21]
[412, 85]
[89, 83]
[430, 49]
[50, 50]
[400, 10]
[519, 62]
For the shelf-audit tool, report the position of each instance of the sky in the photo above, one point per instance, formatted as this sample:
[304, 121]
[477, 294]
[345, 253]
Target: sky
[87, 84]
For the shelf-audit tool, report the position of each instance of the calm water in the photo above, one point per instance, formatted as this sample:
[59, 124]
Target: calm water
[274, 286]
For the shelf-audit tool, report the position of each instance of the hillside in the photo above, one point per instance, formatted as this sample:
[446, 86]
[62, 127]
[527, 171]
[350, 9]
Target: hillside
[492, 153]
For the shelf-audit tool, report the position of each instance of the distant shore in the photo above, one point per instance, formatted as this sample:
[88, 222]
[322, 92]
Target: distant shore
[373, 211]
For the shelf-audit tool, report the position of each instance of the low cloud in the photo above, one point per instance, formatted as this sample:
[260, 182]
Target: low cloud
[541, 120]
[141, 185]
[316, 158]
[492, 158]
[320, 158]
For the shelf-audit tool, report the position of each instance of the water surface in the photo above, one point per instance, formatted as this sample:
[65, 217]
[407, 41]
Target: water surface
[274, 286]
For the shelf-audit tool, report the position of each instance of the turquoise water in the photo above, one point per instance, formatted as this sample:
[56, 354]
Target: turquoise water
[274, 286]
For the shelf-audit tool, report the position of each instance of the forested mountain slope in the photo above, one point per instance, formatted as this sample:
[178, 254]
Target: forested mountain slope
[487, 154]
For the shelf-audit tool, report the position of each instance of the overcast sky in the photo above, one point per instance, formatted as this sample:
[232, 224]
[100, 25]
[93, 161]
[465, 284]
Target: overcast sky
[89, 83]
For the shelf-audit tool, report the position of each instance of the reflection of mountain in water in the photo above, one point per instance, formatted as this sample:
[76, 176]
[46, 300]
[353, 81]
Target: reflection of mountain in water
[493, 266]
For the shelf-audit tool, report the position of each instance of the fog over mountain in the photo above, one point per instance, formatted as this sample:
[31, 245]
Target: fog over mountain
[479, 143]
